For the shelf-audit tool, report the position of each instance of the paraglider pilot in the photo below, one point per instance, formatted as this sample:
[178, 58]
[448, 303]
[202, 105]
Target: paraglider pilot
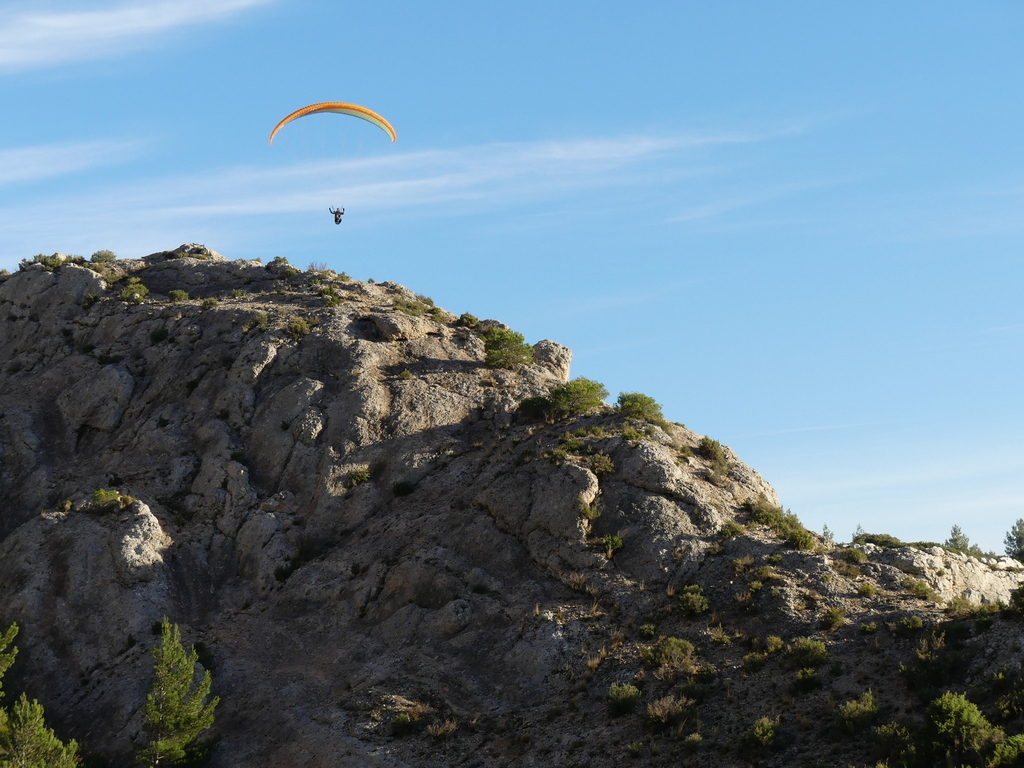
[338, 213]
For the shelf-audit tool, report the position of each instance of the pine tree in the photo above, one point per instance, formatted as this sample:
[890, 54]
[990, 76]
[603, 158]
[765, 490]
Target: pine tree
[26, 742]
[176, 707]
[7, 657]
[957, 540]
[1014, 541]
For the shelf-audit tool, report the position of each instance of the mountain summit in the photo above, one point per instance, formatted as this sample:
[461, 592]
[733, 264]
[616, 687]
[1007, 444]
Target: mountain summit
[390, 552]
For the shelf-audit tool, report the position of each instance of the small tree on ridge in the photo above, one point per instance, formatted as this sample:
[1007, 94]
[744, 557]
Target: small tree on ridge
[1014, 541]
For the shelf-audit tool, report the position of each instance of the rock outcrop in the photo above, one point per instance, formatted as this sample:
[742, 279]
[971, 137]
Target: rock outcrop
[342, 503]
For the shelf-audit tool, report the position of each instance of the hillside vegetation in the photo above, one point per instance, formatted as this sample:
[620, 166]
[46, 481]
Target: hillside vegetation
[399, 536]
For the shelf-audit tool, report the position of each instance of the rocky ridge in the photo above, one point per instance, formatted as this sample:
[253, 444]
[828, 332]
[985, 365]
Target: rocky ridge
[324, 485]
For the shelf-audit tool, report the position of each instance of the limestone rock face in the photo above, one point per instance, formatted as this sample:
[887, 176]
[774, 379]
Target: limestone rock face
[342, 503]
[98, 399]
[139, 554]
[979, 581]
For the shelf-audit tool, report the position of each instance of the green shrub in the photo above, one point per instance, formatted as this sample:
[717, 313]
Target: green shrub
[622, 698]
[785, 524]
[806, 680]
[534, 408]
[467, 320]
[692, 601]
[297, 328]
[104, 501]
[261, 322]
[1008, 752]
[601, 463]
[935, 667]
[908, 626]
[883, 540]
[1009, 689]
[1017, 600]
[666, 711]
[442, 730]
[808, 653]
[672, 656]
[729, 529]
[330, 297]
[867, 589]
[134, 292]
[868, 628]
[588, 511]
[857, 714]
[612, 544]
[895, 742]
[632, 435]
[208, 303]
[956, 729]
[742, 564]
[414, 308]
[712, 450]
[761, 737]
[920, 589]
[719, 636]
[358, 476]
[575, 397]
[177, 295]
[634, 405]
[50, 263]
[845, 568]
[648, 630]
[504, 348]
[833, 618]
[103, 256]
[855, 556]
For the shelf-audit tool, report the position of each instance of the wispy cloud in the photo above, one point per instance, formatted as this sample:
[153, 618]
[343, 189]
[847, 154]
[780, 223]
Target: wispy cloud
[459, 181]
[33, 164]
[613, 302]
[729, 204]
[494, 174]
[32, 39]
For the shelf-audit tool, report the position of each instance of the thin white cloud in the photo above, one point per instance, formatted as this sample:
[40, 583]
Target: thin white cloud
[47, 161]
[497, 174]
[32, 39]
[719, 207]
[459, 181]
[613, 302]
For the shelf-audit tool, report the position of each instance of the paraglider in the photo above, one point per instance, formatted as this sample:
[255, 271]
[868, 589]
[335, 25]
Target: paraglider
[340, 108]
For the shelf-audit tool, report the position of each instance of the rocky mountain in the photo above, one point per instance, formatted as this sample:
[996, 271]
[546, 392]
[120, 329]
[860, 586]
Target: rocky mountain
[385, 561]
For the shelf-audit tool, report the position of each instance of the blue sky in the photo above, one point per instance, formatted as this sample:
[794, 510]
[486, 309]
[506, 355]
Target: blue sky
[798, 225]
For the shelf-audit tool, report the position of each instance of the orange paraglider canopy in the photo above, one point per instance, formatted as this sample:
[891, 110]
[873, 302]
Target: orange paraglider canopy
[341, 108]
